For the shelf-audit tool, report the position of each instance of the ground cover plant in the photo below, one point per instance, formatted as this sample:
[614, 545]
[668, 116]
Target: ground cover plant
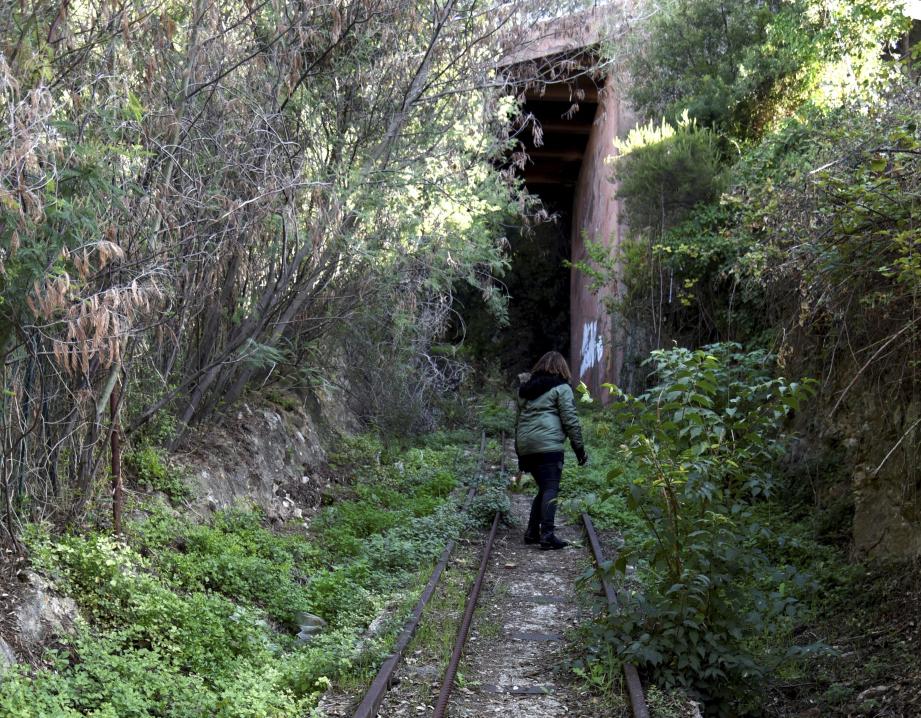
[185, 618]
[867, 614]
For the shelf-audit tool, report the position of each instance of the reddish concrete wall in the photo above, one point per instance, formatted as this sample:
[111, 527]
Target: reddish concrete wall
[567, 34]
[596, 356]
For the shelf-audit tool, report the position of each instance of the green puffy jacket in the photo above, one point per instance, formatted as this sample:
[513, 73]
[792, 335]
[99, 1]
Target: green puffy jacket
[546, 418]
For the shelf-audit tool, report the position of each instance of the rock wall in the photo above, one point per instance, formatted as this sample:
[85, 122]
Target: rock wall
[271, 454]
[885, 442]
[33, 616]
[867, 458]
[267, 454]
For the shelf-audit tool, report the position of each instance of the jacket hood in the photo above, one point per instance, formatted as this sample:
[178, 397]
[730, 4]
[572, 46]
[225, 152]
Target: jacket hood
[539, 383]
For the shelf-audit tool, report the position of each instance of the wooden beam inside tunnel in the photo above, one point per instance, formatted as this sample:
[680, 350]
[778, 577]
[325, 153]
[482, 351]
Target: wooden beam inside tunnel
[558, 115]
[563, 137]
[541, 154]
[566, 127]
[534, 181]
[565, 92]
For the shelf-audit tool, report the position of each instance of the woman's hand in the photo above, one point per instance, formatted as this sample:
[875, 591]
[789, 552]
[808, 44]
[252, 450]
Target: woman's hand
[581, 456]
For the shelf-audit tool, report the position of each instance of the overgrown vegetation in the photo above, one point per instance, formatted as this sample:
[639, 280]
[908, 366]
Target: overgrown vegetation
[809, 108]
[770, 192]
[734, 588]
[188, 619]
[148, 467]
[200, 197]
[707, 440]
[713, 583]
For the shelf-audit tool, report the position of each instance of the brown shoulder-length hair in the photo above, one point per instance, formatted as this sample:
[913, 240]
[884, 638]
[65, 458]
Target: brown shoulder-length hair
[553, 363]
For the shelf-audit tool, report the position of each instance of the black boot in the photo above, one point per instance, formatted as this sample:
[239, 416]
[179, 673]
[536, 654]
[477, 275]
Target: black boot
[532, 533]
[549, 542]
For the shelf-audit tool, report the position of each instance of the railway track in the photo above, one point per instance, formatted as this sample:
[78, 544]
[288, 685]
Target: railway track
[383, 681]
[631, 677]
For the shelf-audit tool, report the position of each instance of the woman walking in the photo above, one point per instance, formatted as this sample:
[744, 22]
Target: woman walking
[546, 417]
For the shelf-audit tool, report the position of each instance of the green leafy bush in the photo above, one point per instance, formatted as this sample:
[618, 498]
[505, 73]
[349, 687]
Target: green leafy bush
[344, 526]
[392, 490]
[703, 56]
[113, 586]
[707, 438]
[199, 619]
[234, 555]
[115, 679]
[358, 450]
[150, 469]
[344, 595]
[666, 170]
[593, 489]
[419, 540]
[149, 648]
[739, 66]
[486, 503]
[815, 131]
[497, 416]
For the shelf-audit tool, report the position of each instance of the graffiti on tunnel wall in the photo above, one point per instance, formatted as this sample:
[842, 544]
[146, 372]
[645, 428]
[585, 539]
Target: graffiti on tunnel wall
[592, 347]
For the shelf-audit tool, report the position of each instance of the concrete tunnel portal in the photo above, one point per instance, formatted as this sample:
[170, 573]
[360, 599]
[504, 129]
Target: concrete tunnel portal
[561, 116]
[580, 112]
[567, 169]
[571, 121]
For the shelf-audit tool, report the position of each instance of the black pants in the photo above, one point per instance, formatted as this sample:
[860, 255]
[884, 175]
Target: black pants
[547, 469]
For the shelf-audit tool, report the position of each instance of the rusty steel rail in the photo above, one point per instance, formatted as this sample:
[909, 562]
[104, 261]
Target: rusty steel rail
[441, 705]
[447, 684]
[631, 677]
[381, 684]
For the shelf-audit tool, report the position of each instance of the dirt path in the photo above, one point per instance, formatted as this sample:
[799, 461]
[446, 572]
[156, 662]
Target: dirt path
[514, 664]
[514, 661]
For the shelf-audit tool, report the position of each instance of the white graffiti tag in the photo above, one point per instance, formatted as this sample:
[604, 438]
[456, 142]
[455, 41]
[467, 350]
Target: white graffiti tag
[592, 347]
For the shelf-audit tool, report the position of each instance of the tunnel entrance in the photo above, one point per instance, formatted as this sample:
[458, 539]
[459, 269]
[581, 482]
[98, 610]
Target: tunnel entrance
[559, 121]
[579, 112]
[537, 286]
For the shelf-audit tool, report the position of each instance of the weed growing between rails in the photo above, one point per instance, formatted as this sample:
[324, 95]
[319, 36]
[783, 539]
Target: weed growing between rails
[187, 619]
[711, 613]
[592, 489]
[482, 495]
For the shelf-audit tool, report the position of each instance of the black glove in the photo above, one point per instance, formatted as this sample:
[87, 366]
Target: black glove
[581, 456]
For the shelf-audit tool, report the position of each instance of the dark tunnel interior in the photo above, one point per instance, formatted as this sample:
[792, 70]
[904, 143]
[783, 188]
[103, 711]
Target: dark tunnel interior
[538, 281]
